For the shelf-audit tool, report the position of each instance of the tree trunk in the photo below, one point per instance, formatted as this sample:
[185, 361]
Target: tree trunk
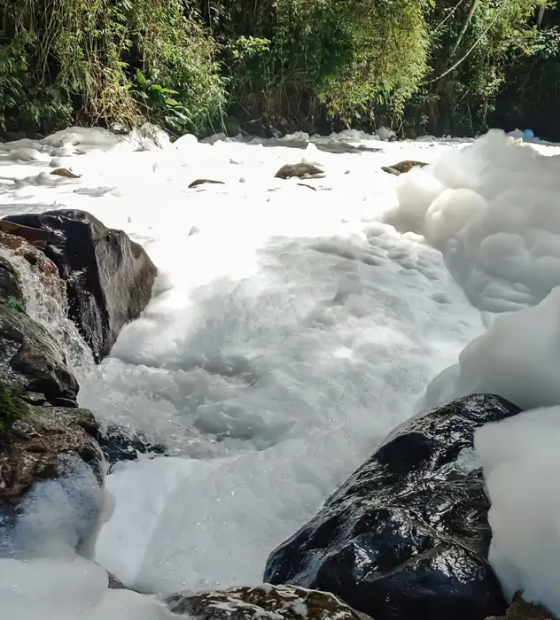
[466, 25]
[540, 14]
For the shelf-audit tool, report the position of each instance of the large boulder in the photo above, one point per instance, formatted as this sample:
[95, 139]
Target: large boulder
[264, 602]
[407, 536]
[108, 277]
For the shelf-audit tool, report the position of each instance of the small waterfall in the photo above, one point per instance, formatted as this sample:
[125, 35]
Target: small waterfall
[46, 303]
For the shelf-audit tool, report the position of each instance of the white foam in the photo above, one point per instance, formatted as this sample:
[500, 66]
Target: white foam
[46, 566]
[53, 589]
[520, 459]
[517, 358]
[492, 208]
[59, 517]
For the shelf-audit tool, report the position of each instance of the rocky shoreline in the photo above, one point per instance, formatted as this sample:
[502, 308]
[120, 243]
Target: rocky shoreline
[405, 538]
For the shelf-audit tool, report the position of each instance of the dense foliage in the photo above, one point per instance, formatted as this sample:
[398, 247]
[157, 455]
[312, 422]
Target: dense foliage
[437, 65]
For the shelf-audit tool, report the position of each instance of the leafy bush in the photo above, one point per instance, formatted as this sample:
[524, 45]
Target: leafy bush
[65, 58]
[472, 44]
[177, 54]
[296, 59]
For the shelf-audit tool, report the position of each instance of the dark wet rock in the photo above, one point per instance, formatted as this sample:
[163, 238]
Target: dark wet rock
[43, 369]
[115, 583]
[108, 277]
[522, 610]
[262, 603]
[198, 182]
[231, 126]
[120, 444]
[407, 536]
[14, 136]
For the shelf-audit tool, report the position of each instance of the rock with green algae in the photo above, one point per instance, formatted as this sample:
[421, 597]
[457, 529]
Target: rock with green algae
[12, 407]
[36, 439]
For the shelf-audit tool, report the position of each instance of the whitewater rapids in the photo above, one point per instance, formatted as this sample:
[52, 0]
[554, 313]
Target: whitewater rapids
[290, 329]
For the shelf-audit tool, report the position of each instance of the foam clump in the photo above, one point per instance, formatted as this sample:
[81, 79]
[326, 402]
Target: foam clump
[24, 154]
[450, 212]
[46, 565]
[58, 517]
[74, 136]
[520, 461]
[518, 358]
[53, 589]
[499, 234]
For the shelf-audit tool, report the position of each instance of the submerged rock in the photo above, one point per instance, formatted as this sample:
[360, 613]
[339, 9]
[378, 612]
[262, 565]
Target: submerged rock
[108, 277]
[303, 170]
[407, 536]
[263, 602]
[198, 182]
[115, 584]
[120, 444]
[403, 166]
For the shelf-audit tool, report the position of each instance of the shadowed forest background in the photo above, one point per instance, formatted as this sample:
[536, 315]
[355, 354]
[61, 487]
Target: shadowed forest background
[274, 66]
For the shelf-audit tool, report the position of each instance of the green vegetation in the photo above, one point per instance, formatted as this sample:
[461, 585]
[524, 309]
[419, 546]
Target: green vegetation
[62, 60]
[436, 65]
[11, 407]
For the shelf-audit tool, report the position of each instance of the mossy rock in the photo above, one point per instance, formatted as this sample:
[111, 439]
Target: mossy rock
[12, 408]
